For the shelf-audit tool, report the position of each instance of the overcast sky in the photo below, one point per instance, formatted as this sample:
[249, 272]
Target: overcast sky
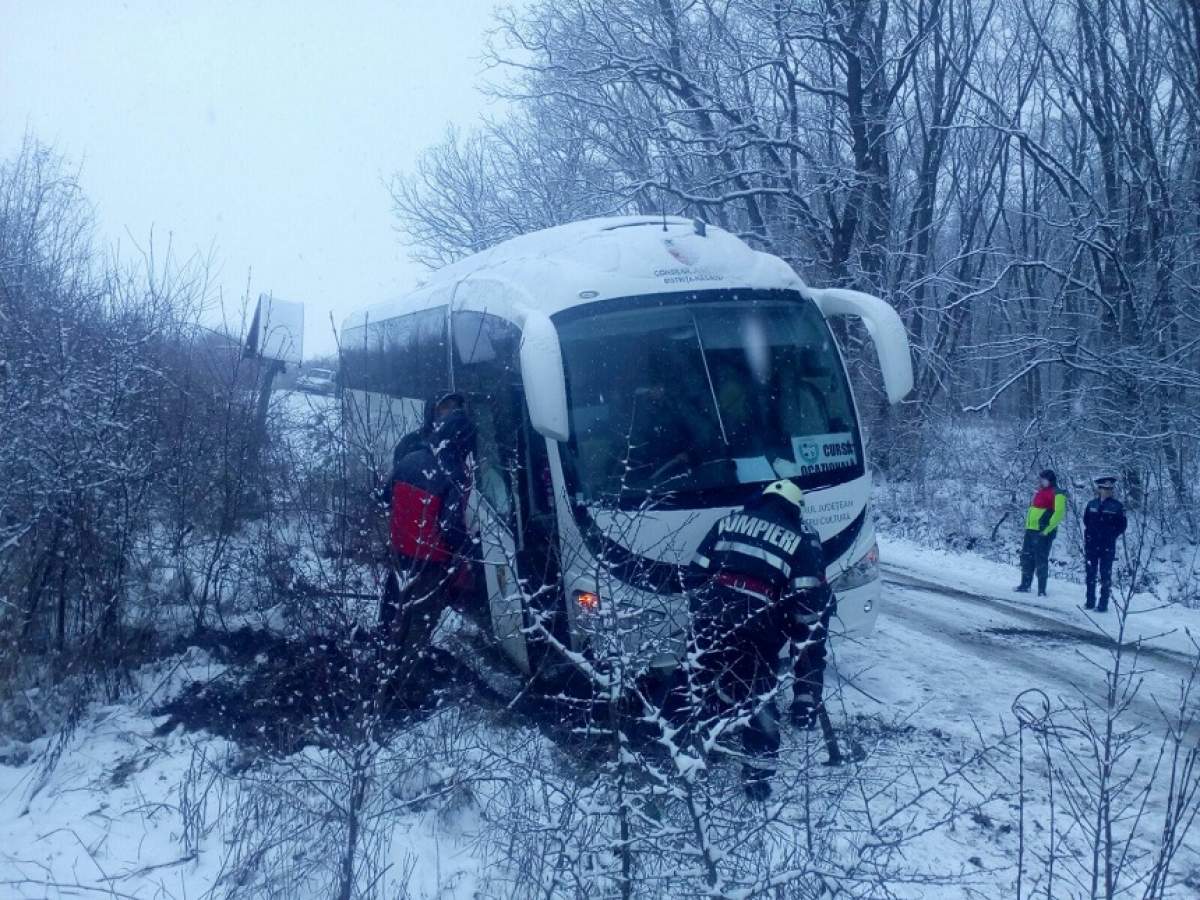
[261, 130]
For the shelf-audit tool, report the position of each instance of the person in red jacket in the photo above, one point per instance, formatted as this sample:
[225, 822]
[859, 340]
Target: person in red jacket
[429, 488]
[1046, 512]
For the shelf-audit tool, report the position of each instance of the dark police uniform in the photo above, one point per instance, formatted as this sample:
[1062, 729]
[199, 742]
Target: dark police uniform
[759, 581]
[1103, 522]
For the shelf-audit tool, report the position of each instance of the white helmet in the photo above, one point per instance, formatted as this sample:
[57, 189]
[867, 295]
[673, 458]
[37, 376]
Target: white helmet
[788, 491]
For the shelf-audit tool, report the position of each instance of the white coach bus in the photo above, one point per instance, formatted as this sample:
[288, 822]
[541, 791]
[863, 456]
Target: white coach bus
[632, 379]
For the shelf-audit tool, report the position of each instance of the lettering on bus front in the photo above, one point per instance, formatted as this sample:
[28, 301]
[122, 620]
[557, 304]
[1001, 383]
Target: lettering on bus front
[831, 512]
[683, 275]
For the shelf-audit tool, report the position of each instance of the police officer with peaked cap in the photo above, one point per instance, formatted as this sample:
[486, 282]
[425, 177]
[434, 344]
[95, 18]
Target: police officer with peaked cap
[1103, 522]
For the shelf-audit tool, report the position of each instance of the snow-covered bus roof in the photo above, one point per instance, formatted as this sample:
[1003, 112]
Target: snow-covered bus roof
[584, 262]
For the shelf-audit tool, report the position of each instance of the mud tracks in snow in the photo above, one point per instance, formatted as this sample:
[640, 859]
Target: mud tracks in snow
[1049, 636]
[279, 695]
[282, 695]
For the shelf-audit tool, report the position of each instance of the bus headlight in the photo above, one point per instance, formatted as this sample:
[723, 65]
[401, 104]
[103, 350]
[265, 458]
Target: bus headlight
[863, 572]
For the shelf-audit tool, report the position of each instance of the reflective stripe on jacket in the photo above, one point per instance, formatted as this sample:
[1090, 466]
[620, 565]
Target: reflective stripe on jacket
[761, 566]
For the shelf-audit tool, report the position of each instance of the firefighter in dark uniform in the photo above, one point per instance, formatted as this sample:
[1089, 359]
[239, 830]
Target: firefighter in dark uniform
[1103, 522]
[758, 583]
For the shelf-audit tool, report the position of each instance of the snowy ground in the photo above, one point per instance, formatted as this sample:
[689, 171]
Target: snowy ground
[129, 811]
[138, 805]
[954, 608]
[955, 649]
[1151, 622]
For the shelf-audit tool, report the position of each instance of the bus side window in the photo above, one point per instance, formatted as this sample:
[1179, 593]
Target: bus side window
[404, 356]
[352, 370]
[427, 364]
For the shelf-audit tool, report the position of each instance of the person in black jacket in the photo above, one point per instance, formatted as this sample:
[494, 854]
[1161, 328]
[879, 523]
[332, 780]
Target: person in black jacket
[758, 582]
[429, 489]
[433, 414]
[1103, 522]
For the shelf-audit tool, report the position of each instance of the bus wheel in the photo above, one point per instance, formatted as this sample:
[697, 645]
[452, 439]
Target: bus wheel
[551, 672]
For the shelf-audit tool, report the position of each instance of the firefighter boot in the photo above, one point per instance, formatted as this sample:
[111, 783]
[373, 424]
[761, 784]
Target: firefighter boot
[804, 711]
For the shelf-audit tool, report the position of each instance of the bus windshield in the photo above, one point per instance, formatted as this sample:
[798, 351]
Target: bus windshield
[689, 398]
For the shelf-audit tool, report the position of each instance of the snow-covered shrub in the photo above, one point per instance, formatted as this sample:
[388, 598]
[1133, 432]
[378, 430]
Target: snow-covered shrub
[127, 462]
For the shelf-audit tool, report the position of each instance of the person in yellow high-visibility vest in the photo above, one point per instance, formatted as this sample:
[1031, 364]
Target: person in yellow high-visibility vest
[1046, 511]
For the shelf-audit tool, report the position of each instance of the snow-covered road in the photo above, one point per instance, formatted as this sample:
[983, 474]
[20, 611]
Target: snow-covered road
[954, 647]
[1019, 646]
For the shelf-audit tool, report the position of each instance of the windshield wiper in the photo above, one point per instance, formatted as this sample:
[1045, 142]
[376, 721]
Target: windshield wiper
[712, 391]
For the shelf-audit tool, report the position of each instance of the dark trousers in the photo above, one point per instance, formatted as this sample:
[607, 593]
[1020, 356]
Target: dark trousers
[408, 614]
[734, 674]
[808, 659]
[1100, 561]
[738, 680]
[1035, 557]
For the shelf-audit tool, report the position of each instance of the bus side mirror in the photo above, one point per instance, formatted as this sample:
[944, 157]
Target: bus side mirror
[542, 374]
[276, 331]
[885, 328]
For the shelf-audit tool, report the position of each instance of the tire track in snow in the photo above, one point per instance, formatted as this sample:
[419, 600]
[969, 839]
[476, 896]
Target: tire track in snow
[1180, 663]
